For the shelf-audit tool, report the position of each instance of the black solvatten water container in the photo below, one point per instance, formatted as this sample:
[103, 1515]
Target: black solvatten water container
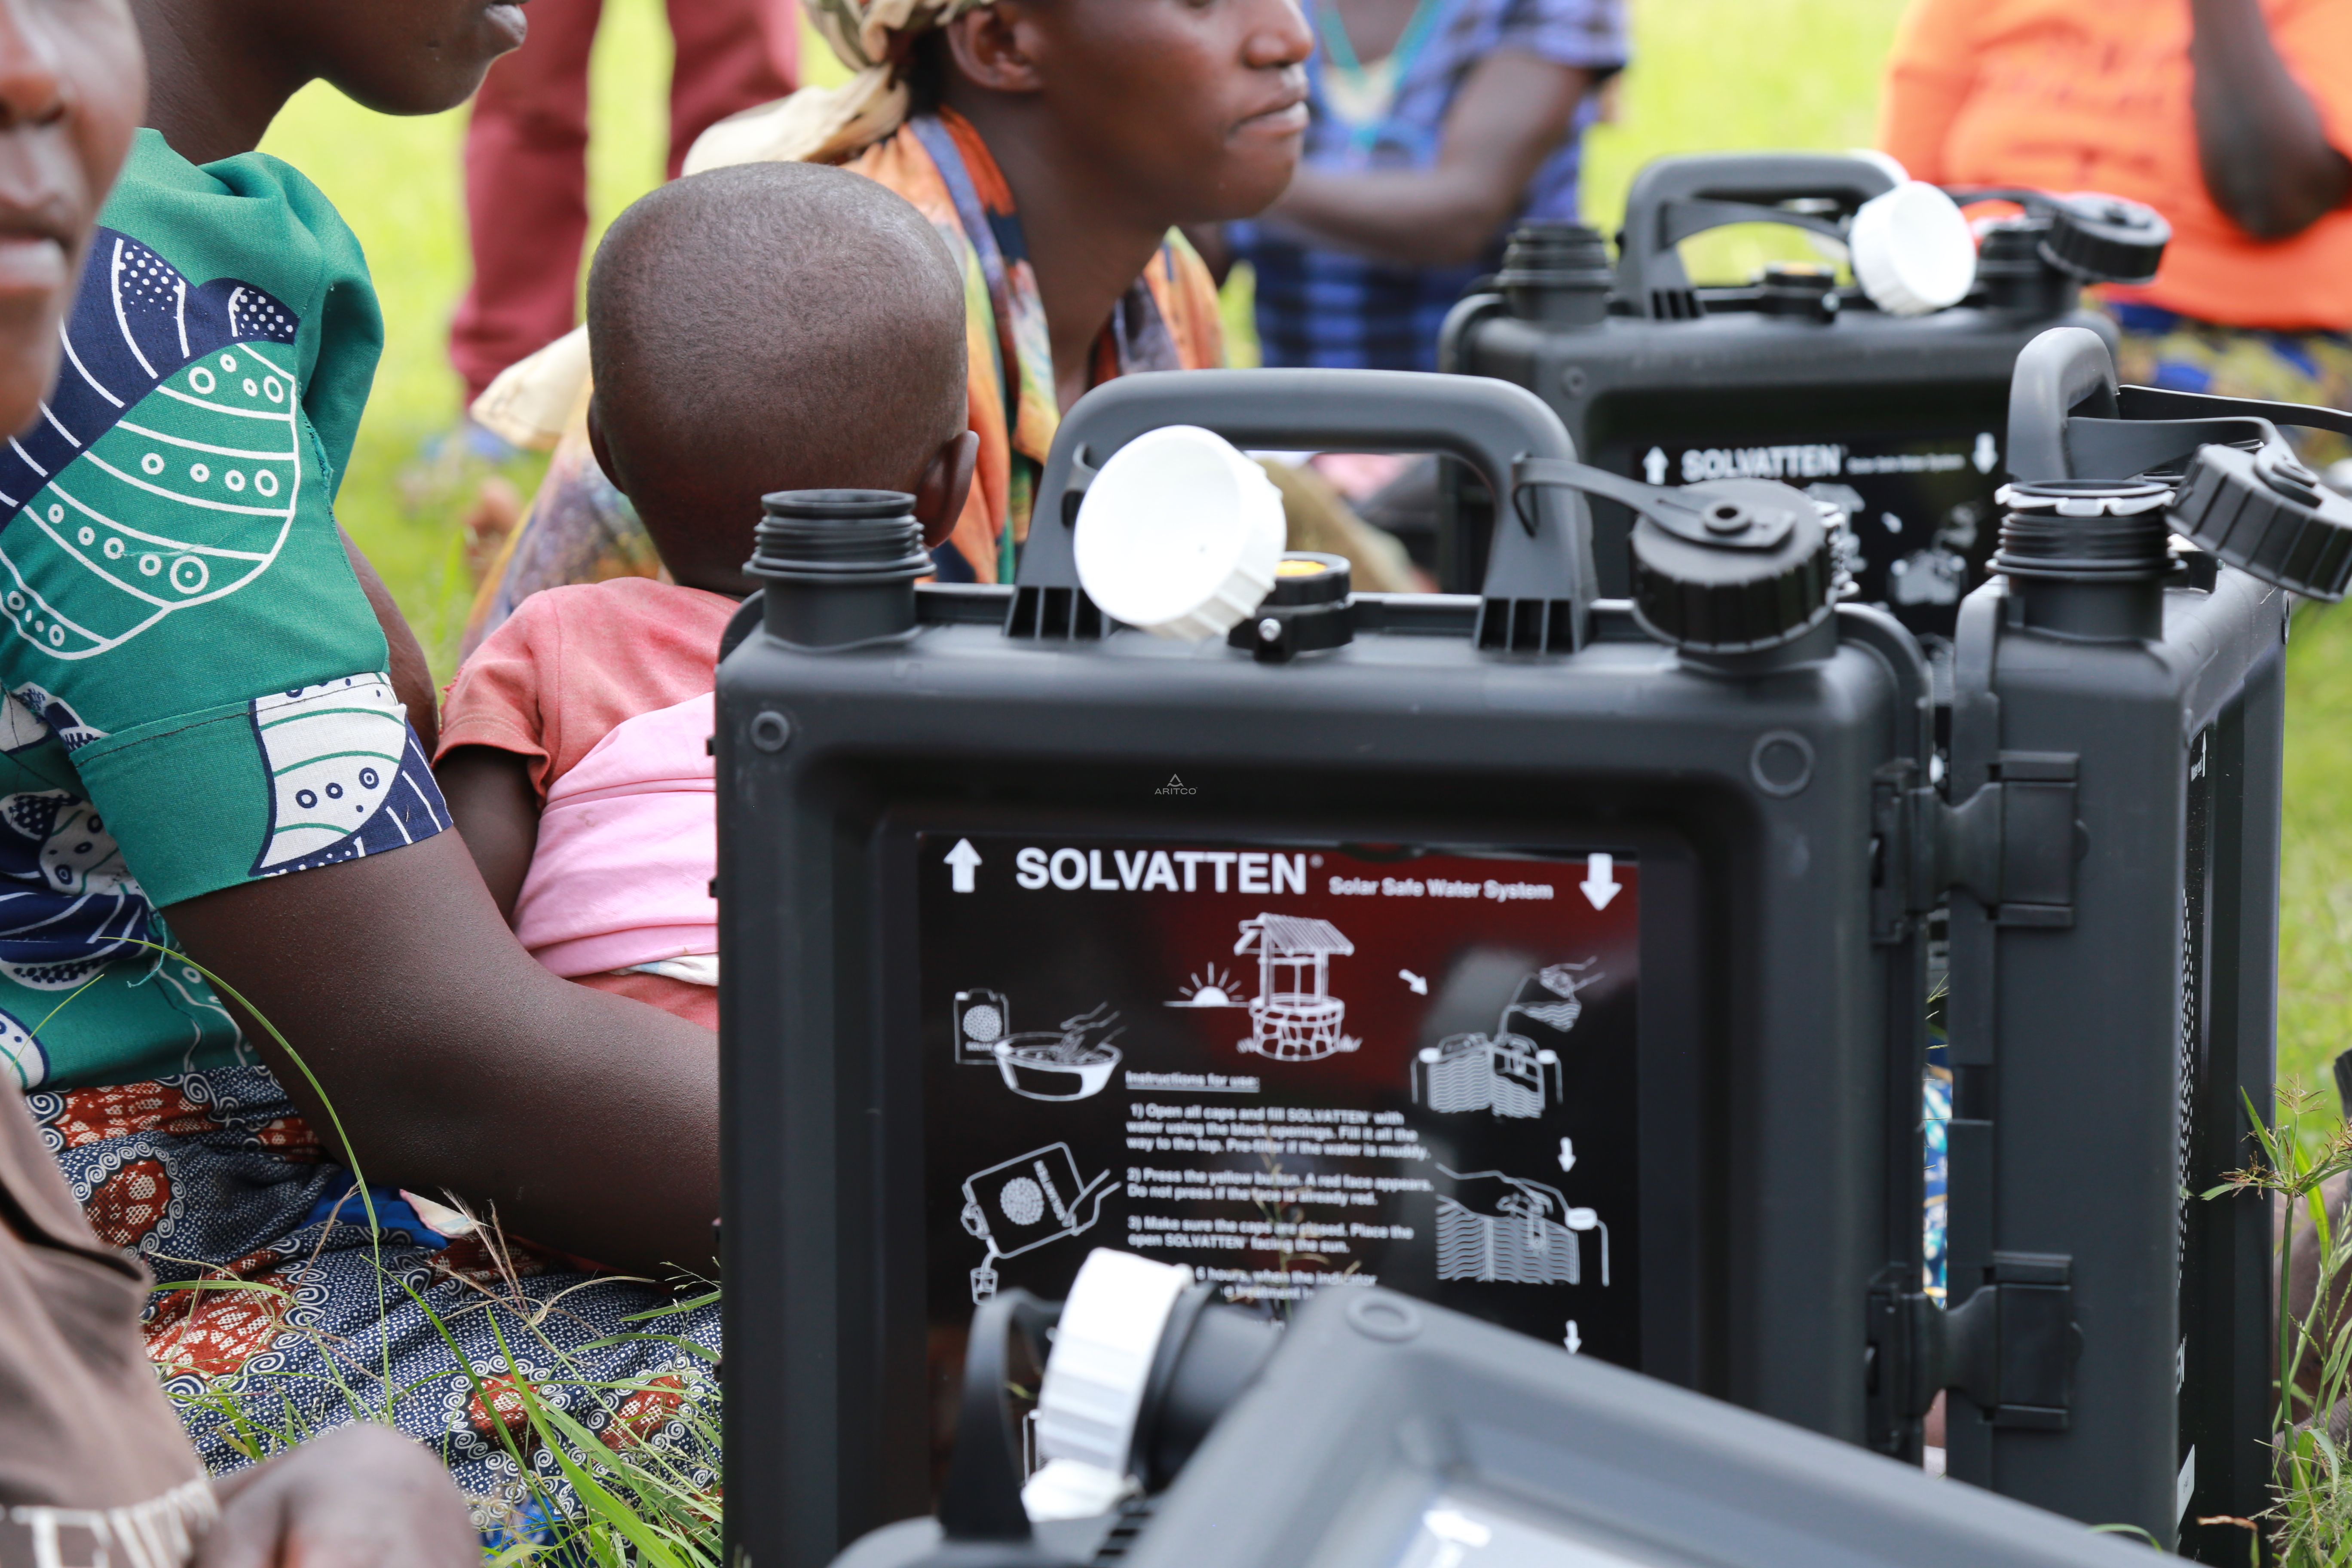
[1551, 958]
[2108, 1033]
[1897, 418]
[1493, 948]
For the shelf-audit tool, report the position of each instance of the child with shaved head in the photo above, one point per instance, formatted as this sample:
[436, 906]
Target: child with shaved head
[768, 326]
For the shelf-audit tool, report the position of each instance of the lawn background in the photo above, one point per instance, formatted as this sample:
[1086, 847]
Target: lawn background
[1710, 74]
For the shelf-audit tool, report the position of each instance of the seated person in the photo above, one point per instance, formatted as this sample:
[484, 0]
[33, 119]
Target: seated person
[93, 1465]
[2232, 118]
[243, 964]
[1057, 144]
[1439, 126]
[775, 326]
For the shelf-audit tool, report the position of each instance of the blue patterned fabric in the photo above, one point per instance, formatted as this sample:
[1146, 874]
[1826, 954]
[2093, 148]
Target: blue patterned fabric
[317, 1320]
[1326, 307]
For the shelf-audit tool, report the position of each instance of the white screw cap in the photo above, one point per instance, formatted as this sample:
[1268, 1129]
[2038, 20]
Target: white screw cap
[1066, 1489]
[1912, 251]
[1103, 1348]
[1179, 535]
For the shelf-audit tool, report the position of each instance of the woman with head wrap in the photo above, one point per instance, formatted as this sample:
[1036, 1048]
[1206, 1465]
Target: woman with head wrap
[1057, 144]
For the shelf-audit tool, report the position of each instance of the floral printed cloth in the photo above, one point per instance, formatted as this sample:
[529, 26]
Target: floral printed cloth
[215, 1177]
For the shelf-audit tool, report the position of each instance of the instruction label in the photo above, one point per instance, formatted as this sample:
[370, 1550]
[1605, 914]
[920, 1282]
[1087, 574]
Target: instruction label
[1287, 1068]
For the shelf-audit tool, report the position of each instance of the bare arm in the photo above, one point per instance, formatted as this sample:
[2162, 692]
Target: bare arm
[1513, 112]
[412, 677]
[496, 813]
[2259, 142]
[455, 1060]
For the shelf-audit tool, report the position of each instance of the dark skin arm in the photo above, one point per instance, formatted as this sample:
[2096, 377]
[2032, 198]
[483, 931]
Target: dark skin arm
[2261, 144]
[457, 1061]
[497, 813]
[412, 677]
[1513, 112]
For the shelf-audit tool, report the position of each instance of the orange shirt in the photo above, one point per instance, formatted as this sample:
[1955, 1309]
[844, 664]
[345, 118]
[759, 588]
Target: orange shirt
[2093, 95]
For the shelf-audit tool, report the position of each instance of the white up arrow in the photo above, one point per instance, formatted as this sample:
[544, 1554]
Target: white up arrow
[963, 857]
[1600, 882]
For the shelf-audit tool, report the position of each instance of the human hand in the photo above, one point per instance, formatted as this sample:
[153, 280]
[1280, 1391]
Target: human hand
[361, 1497]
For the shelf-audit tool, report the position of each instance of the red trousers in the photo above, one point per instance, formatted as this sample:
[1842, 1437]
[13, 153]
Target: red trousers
[526, 158]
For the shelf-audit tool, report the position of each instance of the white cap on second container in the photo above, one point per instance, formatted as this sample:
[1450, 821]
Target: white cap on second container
[1912, 251]
[1179, 535]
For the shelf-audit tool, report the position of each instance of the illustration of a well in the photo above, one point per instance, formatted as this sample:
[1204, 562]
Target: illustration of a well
[1293, 1018]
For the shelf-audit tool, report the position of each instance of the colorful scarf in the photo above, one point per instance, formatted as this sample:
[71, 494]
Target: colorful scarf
[581, 530]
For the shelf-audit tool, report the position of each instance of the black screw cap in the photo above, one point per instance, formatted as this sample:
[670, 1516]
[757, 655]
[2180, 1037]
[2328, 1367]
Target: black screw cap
[2266, 514]
[2105, 239]
[1752, 569]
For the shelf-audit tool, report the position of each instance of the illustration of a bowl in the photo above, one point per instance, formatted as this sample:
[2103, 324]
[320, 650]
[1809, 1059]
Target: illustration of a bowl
[1046, 1066]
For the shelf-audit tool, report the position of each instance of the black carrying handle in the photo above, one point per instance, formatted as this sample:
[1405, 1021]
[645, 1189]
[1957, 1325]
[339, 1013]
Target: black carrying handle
[2068, 419]
[1542, 552]
[1673, 199]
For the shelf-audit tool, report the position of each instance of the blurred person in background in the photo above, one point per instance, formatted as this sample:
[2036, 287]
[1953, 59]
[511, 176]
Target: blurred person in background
[2232, 118]
[526, 165]
[1438, 126]
[1056, 145]
[526, 158]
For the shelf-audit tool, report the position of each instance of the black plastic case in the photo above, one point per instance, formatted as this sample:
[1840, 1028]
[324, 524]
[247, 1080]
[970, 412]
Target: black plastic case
[1898, 419]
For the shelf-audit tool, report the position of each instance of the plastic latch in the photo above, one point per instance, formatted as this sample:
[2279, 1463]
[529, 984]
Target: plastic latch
[2011, 1346]
[2012, 845]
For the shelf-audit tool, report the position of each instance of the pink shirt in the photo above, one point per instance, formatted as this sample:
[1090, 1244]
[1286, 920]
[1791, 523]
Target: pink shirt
[604, 688]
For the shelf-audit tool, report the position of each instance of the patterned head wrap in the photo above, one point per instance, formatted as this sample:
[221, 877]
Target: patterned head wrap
[828, 124]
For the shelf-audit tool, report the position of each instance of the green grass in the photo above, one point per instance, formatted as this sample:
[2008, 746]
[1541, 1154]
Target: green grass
[1710, 75]
[2315, 856]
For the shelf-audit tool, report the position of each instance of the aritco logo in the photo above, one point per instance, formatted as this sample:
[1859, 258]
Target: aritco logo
[1175, 786]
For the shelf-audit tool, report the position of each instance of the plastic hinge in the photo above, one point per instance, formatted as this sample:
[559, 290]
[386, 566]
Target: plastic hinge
[2012, 844]
[1901, 1382]
[2011, 1346]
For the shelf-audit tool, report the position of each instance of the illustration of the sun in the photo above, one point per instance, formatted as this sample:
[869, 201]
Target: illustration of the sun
[1211, 989]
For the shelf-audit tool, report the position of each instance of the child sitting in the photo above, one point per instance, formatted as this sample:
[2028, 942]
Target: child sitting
[768, 326]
